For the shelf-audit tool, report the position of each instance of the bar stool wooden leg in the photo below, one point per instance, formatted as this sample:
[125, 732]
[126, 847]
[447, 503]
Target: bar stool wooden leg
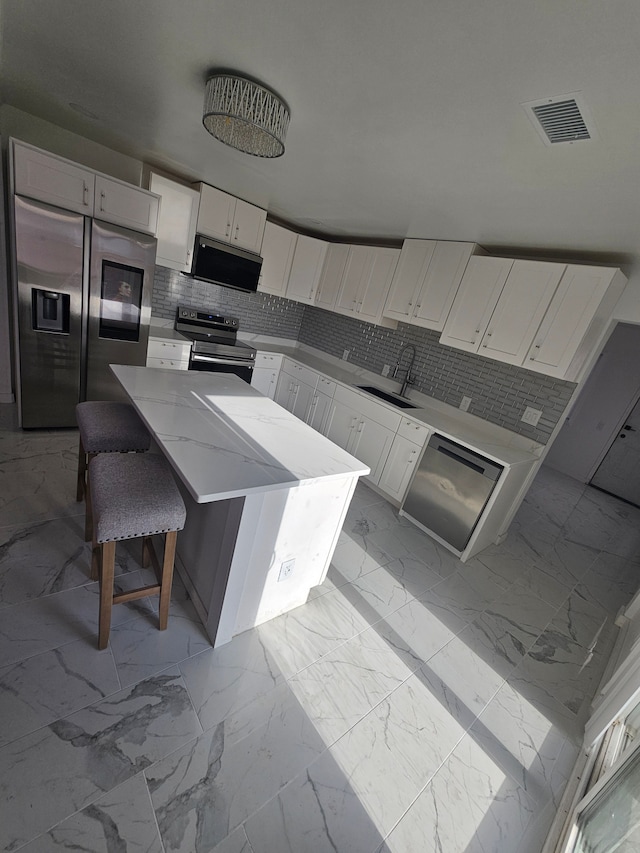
[167, 577]
[96, 556]
[108, 550]
[82, 471]
[88, 514]
[146, 552]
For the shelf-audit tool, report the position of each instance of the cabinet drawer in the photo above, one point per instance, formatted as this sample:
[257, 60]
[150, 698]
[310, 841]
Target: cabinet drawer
[327, 386]
[300, 372]
[266, 359]
[168, 349]
[367, 407]
[413, 431]
[170, 363]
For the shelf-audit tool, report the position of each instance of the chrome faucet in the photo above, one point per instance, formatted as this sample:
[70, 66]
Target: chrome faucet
[409, 378]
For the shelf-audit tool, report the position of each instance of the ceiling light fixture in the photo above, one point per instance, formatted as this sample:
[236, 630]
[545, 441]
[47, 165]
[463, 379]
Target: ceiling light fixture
[245, 115]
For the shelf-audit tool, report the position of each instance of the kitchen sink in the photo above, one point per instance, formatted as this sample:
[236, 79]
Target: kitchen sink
[388, 398]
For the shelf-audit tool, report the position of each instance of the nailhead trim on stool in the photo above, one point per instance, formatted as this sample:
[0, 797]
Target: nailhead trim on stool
[106, 427]
[133, 496]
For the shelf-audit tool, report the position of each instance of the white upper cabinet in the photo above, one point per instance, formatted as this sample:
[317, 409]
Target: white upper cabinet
[500, 305]
[543, 316]
[51, 179]
[332, 272]
[366, 281]
[176, 222]
[426, 281]
[126, 205]
[411, 271]
[521, 306]
[224, 217]
[575, 320]
[473, 306]
[278, 247]
[306, 269]
[54, 180]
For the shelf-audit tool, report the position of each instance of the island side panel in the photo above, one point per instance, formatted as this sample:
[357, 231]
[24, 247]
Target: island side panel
[204, 553]
[302, 524]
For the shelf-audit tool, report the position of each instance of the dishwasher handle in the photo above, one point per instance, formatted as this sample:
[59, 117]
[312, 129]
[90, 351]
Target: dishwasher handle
[486, 467]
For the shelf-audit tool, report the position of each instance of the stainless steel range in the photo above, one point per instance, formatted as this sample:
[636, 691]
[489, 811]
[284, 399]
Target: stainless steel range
[215, 347]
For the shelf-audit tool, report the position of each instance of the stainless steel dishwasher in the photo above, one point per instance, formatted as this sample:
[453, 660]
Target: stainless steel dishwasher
[450, 490]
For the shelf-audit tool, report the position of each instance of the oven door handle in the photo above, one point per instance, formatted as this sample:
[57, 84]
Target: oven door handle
[215, 360]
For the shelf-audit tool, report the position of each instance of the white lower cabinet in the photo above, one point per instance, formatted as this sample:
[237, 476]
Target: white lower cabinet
[403, 459]
[295, 389]
[265, 373]
[168, 354]
[362, 427]
[391, 445]
[319, 410]
[264, 380]
[365, 439]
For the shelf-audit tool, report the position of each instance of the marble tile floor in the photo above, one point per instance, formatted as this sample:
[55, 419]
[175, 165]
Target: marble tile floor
[413, 704]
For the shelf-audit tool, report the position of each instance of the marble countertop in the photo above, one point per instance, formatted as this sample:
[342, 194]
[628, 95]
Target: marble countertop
[166, 333]
[225, 439]
[491, 440]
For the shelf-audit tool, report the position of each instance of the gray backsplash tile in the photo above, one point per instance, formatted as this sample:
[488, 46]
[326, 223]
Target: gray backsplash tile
[259, 313]
[499, 392]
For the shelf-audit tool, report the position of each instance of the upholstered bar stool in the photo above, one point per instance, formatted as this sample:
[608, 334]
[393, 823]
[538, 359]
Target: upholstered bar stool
[105, 427]
[133, 497]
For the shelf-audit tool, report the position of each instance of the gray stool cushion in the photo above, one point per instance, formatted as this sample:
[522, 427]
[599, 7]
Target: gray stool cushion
[107, 427]
[134, 495]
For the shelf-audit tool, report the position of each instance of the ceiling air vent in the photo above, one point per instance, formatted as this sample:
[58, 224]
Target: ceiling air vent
[564, 118]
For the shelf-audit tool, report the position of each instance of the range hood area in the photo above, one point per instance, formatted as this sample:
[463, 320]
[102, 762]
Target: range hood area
[225, 265]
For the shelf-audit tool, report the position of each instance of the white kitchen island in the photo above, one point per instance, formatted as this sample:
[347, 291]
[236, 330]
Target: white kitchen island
[266, 495]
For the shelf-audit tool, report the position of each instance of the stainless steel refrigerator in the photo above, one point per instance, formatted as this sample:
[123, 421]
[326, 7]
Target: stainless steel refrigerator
[83, 302]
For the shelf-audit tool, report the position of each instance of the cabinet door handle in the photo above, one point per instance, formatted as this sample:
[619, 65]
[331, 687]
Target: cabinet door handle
[353, 422]
[85, 194]
[228, 231]
[360, 426]
[237, 229]
[102, 200]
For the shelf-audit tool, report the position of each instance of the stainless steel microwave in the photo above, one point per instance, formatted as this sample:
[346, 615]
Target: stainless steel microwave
[226, 265]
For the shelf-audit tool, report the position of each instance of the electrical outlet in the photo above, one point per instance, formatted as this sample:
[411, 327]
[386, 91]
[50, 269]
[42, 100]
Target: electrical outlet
[531, 416]
[386, 369]
[465, 403]
[286, 570]
[345, 354]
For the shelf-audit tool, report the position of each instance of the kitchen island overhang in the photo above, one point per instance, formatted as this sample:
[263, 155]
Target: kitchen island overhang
[262, 489]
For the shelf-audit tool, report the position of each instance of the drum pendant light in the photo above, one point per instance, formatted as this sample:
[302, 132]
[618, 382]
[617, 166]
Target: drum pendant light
[245, 115]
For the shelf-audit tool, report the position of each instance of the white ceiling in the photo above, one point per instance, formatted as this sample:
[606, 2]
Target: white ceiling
[405, 114]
